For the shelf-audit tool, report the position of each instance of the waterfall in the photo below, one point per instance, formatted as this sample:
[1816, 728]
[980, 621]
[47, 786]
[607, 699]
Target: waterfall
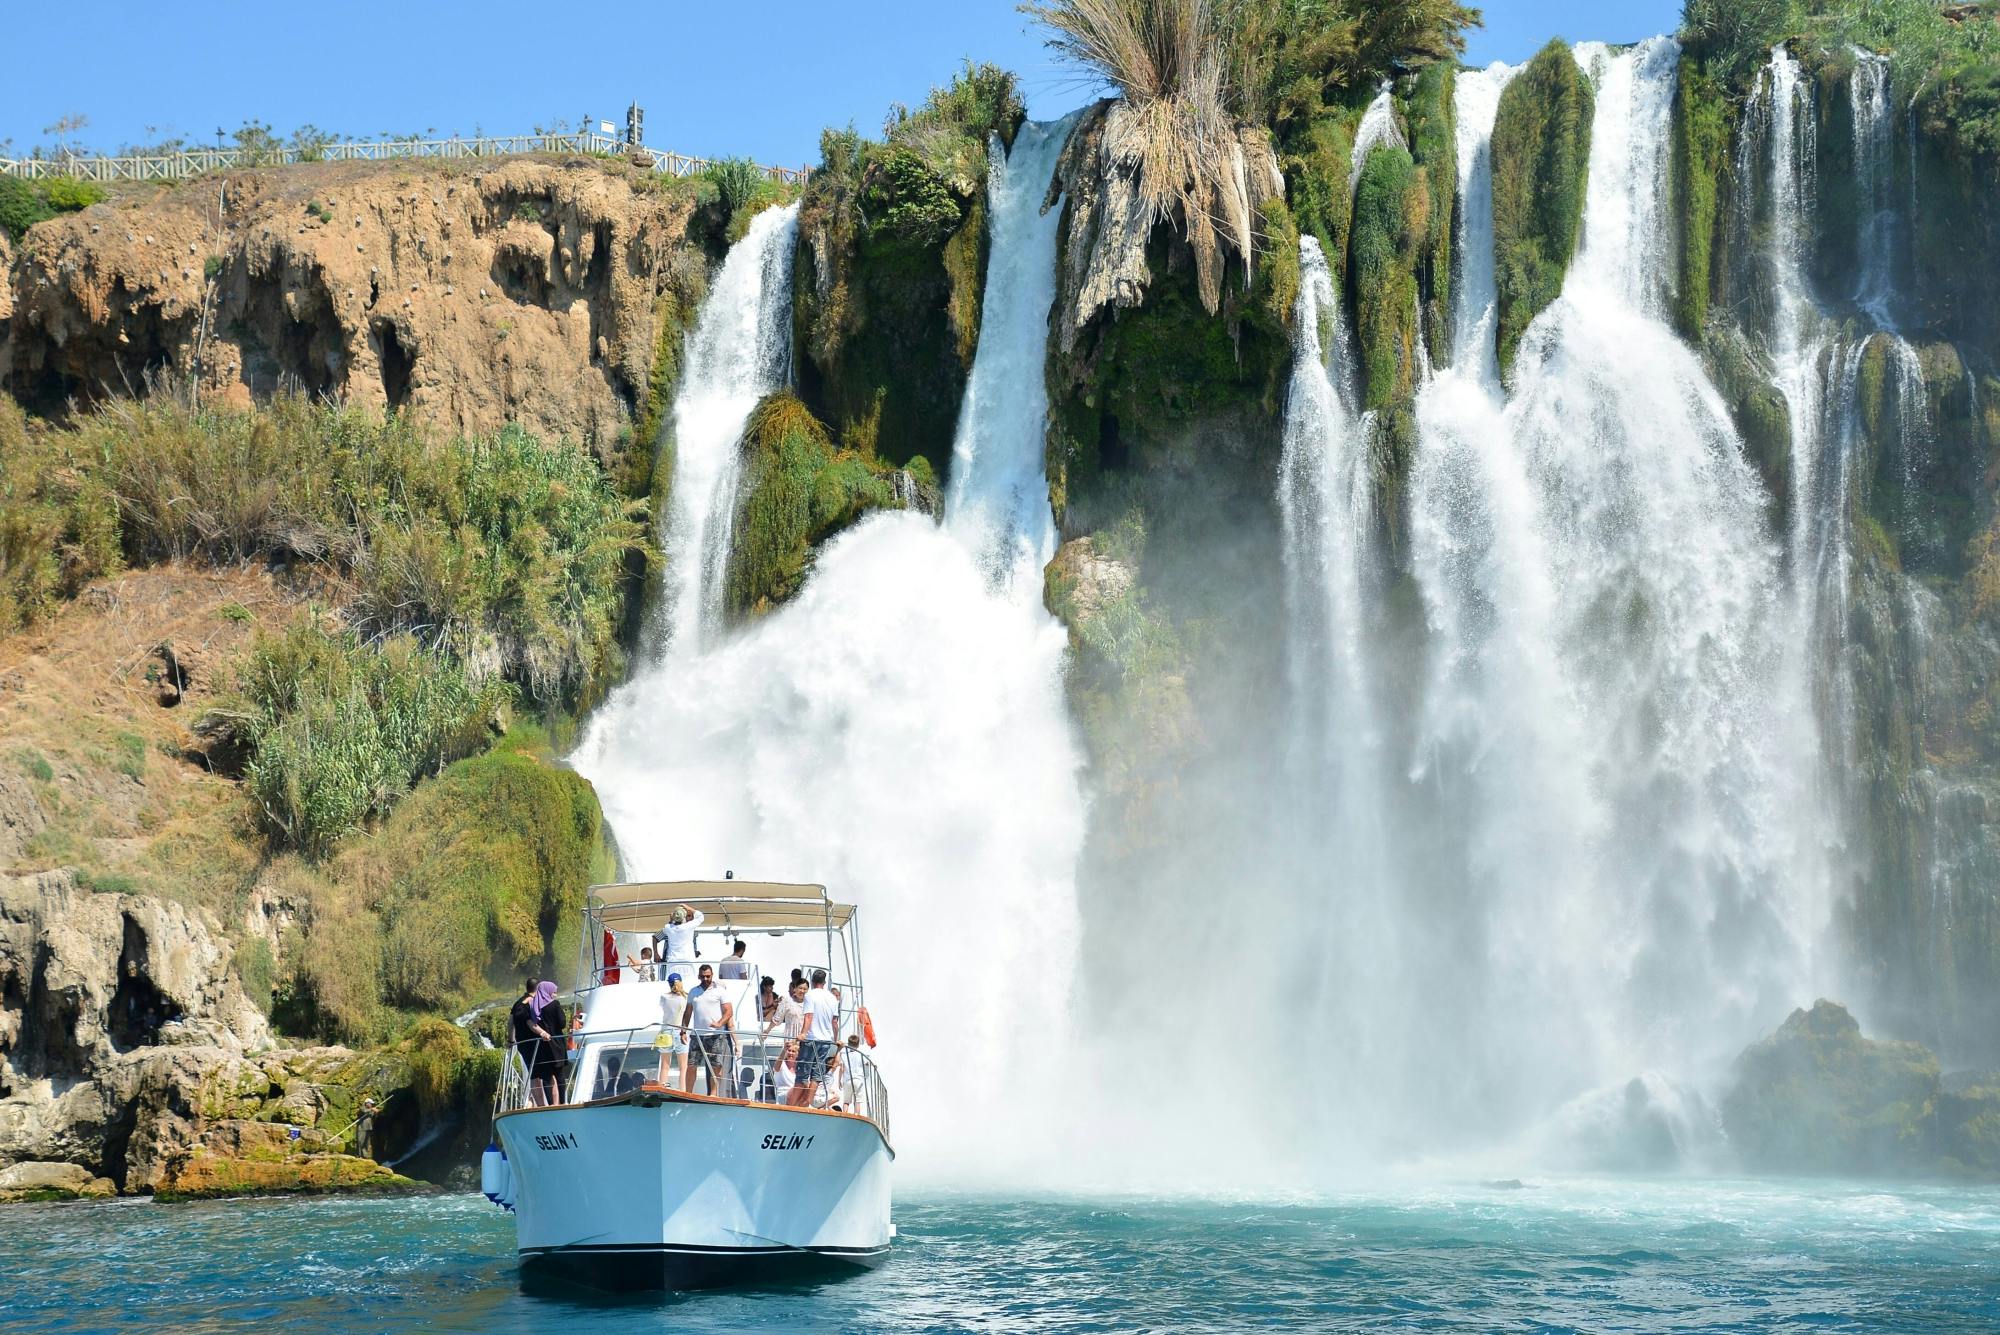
[1610, 731]
[1377, 128]
[741, 350]
[1476, 95]
[1326, 506]
[1874, 182]
[1815, 369]
[999, 499]
[899, 732]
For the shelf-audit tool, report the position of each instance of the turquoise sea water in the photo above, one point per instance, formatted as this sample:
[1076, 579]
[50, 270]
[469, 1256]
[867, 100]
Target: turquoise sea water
[1596, 1255]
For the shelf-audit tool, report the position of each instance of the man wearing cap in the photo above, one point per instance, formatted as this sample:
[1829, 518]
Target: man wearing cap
[677, 937]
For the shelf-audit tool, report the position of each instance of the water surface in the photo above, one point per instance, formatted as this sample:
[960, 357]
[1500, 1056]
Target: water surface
[1599, 1255]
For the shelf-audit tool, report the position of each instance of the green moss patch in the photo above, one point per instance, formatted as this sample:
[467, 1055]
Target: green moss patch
[1541, 166]
[1392, 209]
[798, 490]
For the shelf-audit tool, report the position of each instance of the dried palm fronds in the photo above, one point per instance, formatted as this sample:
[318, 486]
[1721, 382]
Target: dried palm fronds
[1171, 59]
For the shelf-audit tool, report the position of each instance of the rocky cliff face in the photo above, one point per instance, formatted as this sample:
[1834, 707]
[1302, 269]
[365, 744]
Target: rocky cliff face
[475, 295]
[89, 983]
[132, 1060]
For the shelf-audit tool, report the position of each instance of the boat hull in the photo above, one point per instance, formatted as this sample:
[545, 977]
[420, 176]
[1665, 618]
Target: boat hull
[659, 1191]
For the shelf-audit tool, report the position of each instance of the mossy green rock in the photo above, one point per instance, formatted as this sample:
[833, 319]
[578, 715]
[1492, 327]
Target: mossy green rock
[1426, 99]
[1818, 1097]
[797, 492]
[1541, 166]
[479, 874]
[1701, 130]
[1392, 208]
[887, 295]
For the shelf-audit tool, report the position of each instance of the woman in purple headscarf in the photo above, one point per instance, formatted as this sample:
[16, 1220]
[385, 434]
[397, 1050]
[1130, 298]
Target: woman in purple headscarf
[537, 1021]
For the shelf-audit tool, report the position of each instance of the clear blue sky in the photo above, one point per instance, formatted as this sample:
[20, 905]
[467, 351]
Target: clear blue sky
[717, 77]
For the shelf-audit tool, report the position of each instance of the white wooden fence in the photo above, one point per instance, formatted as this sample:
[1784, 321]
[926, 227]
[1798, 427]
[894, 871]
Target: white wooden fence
[194, 161]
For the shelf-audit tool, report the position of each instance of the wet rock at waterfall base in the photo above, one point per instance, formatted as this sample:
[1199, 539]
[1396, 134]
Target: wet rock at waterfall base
[1818, 1096]
[132, 1061]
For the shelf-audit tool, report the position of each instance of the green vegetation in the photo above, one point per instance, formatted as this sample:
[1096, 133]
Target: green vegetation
[1391, 222]
[1541, 164]
[1733, 37]
[501, 546]
[475, 877]
[337, 730]
[1701, 134]
[1427, 102]
[797, 491]
[25, 203]
[893, 248]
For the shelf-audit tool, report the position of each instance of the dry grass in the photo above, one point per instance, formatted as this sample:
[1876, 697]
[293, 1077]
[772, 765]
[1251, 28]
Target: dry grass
[1172, 60]
[108, 766]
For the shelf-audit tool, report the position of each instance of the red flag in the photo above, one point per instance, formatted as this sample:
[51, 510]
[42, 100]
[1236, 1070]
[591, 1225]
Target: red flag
[610, 958]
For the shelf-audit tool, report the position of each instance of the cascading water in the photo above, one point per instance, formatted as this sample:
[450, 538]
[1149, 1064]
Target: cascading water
[1326, 505]
[740, 351]
[1874, 182]
[1378, 127]
[1608, 722]
[999, 499]
[899, 732]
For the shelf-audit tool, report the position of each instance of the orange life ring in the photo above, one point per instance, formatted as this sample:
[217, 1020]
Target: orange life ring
[867, 1027]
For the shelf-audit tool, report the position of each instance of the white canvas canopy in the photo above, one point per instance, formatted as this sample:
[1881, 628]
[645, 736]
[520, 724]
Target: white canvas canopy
[744, 906]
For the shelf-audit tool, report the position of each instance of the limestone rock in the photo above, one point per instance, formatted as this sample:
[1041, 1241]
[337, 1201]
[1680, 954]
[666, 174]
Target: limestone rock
[91, 987]
[1819, 1097]
[1108, 222]
[50, 1181]
[379, 309]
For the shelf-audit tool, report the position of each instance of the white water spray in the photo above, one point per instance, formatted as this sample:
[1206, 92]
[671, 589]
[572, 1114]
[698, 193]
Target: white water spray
[899, 732]
[1377, 128]
[1607, 719]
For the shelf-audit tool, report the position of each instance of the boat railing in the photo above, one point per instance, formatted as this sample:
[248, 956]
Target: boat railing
[763, 1067]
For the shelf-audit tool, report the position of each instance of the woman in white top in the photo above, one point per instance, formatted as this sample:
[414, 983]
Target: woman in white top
[673, 1030]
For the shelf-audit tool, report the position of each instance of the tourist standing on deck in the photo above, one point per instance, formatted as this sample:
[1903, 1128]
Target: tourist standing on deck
[677, 937]
[822, 1009]
[673, 1028]
[537, 1019]
[710, 1016]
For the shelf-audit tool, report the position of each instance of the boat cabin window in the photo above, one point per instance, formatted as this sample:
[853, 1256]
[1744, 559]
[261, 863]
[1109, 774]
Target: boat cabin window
[622, 1069]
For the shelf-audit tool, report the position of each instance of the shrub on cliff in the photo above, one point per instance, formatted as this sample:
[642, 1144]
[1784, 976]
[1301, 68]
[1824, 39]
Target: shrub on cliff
[1541, 165]
[58, 525]
[25, 203]
[337, 730]
[501, 549]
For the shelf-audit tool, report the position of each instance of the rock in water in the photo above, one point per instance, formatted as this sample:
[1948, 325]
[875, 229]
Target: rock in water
[1819, 1097]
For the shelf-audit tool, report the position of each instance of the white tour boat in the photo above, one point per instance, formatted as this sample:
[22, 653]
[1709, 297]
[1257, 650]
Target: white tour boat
[635, 1181]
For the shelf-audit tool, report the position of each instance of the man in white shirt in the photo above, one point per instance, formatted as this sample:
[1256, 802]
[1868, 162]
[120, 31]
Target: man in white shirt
[822, 1012]
[710, 1016]
[677, 937]
[735, 966]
